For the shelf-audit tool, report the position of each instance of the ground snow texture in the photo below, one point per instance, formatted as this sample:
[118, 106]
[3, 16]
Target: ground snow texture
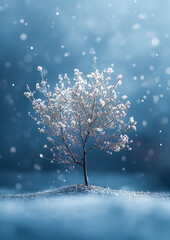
[78, 212]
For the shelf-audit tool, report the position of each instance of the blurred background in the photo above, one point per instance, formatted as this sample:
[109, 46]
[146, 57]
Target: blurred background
[58, 35]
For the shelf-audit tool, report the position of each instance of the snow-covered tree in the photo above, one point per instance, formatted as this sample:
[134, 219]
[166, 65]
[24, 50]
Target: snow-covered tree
[81, 115]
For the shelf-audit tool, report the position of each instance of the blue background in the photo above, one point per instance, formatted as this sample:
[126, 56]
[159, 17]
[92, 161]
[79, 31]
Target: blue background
[132, 35]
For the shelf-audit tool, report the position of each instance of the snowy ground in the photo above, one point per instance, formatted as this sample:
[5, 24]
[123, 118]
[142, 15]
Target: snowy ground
[85, 213]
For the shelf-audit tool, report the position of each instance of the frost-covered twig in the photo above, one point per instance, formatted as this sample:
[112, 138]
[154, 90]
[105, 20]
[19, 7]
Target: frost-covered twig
[82, 115]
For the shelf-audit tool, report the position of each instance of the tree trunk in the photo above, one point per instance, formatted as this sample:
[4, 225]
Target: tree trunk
[85, 165]
[85, 173]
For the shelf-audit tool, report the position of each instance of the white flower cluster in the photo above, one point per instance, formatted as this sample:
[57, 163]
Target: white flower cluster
[82, 114]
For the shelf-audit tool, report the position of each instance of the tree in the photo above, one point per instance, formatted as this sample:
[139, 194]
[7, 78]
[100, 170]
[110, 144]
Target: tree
[82, 115]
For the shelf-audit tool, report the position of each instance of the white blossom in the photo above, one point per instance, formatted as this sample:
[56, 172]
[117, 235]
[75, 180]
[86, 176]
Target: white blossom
[89, 120]
[43, 83]
[110, 70]
[41, 130]
[39, 68]
[73, 123]
[47, 117]
[102, 102]
[131, 119]
[61, 124]
[124, 97]
[119, 77]
[134, 128]
[99, 129]
[119, 82]
[49, 139]
[80, 115]
[27, 94]
[37, 86]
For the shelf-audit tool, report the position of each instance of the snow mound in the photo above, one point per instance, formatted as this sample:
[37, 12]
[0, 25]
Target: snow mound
[81, 212]
[80, 189]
